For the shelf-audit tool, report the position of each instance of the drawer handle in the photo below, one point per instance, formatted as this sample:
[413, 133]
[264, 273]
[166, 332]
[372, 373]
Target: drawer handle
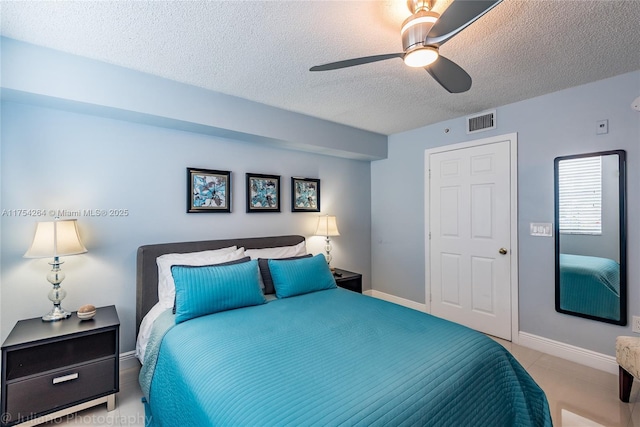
[65, 378]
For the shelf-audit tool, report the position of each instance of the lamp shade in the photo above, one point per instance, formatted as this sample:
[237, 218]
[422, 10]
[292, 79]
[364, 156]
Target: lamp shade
[327, 226]
[56, 238]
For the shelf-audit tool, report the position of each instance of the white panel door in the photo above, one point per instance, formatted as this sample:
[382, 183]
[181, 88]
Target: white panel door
[469, 209]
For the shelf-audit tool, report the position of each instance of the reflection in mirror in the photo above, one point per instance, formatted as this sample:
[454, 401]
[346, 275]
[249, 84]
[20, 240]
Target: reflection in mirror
[590, 235]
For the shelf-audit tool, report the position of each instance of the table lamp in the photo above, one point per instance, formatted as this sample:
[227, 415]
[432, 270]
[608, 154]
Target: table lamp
[327, 227]
[55, 239]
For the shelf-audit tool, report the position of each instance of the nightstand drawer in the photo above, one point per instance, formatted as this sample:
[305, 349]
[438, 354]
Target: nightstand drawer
[37, 359]
[64, 388]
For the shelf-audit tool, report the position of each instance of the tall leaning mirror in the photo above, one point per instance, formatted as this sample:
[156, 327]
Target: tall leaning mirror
[590, 232]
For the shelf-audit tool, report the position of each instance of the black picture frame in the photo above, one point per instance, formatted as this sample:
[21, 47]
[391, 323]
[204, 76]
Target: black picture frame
[263, 193]
[305, 194]
[208, 191]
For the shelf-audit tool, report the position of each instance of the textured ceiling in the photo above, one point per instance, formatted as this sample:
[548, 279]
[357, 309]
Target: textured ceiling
[262, 51]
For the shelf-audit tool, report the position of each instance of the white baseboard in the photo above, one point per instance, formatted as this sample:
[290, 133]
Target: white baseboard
[128, 360]
[397, 300]
[569, 352]
[575, 354]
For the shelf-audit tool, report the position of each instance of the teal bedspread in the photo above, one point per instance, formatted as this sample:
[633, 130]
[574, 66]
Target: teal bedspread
[590, 285]
[333, 358]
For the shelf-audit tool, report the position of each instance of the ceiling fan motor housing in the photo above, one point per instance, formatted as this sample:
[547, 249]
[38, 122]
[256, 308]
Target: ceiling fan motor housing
[416, 27]
[416, 5]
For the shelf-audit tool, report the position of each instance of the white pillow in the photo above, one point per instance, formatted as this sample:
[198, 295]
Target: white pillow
[279, 252]
[166, 286]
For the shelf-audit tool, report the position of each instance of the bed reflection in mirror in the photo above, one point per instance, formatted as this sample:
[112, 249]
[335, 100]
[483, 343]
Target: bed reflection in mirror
[591, 236]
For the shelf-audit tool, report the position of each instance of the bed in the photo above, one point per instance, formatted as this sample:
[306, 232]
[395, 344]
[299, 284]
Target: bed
[315, 354]
[590, 285]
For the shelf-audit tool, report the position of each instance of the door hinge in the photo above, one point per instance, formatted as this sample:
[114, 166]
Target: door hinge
[429, 235]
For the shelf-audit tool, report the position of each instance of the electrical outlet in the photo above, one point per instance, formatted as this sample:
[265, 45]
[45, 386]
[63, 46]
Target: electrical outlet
[636, 324]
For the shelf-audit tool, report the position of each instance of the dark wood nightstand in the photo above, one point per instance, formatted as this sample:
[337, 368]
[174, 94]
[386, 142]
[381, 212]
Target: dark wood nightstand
[349, 280]
[51, 369]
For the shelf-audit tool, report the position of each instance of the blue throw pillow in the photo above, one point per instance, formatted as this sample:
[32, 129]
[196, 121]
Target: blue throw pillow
[213, 288]
[301, 276]
[235, 261]
[267, 280]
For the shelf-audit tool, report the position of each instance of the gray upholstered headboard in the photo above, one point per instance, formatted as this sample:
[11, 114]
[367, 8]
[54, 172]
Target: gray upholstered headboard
[147, 269]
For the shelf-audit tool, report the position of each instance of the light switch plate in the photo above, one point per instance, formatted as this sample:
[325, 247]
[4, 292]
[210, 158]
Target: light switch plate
[541, 229]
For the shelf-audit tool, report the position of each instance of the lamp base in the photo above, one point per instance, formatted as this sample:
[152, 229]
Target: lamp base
[56, 313]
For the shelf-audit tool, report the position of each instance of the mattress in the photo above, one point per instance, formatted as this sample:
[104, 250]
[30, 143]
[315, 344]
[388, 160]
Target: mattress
[590, 285]
[329, 358]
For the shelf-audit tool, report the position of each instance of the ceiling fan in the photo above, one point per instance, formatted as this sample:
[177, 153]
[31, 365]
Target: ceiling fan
[422, 35]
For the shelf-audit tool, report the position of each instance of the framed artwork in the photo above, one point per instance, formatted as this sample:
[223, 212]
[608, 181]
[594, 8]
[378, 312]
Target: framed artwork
[263, 193]
[305, 195]
[208, 191]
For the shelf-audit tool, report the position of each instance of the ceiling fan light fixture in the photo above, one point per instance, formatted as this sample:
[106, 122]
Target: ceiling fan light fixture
[420, 17]
[420, 57]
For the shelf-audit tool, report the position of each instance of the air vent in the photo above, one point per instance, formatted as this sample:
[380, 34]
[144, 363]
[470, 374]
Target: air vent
[481, 122]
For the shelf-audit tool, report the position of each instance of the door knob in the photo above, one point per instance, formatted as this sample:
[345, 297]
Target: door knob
[503, 251]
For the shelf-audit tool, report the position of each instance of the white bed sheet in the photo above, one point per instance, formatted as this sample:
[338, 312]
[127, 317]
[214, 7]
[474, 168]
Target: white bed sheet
[145, 330]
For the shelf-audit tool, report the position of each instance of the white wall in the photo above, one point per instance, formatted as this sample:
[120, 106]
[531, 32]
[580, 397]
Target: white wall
[552, 125]
[53, 160]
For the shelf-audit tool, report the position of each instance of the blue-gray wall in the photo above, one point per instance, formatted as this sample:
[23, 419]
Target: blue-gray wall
[552, 125]
[47, 77]
[112, 140]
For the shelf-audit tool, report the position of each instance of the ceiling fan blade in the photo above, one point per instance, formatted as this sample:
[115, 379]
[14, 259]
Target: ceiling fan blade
[450, 75]
[355, 61]
[458, 16]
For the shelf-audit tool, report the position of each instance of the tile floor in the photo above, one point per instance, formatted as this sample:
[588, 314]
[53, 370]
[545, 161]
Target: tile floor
[578, 396]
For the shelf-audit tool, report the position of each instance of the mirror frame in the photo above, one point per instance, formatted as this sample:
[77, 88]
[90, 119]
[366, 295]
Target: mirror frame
[622, 198]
